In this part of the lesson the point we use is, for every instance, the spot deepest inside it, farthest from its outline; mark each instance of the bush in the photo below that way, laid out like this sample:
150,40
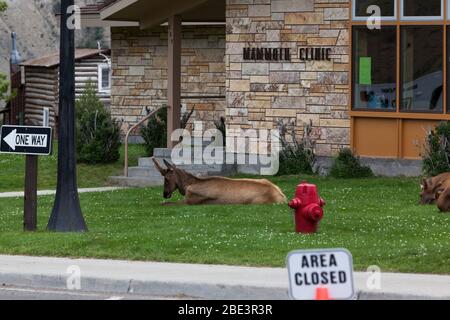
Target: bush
296,155
98,134
155,132
436,156
221,126
347,166
4,85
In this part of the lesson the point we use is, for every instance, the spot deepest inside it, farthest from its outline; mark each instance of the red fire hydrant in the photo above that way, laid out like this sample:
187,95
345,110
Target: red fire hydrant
308,208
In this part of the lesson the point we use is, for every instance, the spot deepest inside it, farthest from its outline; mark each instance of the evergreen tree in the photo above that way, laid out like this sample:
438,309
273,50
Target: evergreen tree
98,134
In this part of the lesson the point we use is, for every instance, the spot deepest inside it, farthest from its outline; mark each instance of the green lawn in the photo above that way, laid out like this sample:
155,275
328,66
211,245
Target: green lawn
12,171
378,220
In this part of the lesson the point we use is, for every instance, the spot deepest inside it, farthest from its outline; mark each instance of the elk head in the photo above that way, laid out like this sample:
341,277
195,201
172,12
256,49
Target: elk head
429,191
170,178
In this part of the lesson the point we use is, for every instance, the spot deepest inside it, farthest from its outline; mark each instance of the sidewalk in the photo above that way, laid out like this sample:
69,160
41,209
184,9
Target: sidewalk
52,192
197,281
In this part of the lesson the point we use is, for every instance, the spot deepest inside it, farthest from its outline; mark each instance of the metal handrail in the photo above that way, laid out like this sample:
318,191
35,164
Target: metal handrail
125,170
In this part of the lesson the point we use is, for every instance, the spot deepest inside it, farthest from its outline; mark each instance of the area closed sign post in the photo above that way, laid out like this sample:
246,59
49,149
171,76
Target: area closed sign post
312,272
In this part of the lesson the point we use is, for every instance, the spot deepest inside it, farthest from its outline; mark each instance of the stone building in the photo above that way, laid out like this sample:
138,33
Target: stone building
365,77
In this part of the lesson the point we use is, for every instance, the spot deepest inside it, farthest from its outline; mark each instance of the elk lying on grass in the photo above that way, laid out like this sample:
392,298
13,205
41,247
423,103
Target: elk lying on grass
217,190
443,202
432,187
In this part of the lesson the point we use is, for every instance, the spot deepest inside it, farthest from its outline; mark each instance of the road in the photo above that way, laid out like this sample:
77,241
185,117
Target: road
14,293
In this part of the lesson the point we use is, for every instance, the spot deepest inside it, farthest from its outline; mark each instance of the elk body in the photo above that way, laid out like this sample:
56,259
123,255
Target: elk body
443,202
217,190
433,187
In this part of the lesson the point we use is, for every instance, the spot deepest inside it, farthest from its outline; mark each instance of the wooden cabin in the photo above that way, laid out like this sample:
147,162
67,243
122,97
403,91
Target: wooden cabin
41,82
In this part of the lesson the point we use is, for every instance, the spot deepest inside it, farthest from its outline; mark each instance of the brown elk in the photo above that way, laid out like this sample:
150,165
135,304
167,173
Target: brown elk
443,202
432,187
217,190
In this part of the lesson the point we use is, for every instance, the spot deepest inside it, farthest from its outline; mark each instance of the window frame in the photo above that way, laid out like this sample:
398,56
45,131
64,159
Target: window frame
398,113
383,18
100,69
353,80
421,18
401,69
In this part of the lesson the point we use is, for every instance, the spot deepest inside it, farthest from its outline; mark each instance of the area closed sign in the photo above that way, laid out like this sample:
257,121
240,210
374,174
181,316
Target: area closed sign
313,270
28,140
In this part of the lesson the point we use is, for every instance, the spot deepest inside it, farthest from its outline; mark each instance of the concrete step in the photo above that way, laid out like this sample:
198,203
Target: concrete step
136,181
163,153
143,172
148,164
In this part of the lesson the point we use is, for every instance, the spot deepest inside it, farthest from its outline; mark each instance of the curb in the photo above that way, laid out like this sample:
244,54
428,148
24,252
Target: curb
151,288
179,289
210,282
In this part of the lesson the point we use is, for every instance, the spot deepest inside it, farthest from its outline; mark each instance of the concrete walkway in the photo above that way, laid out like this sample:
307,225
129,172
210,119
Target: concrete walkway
52,192
198,281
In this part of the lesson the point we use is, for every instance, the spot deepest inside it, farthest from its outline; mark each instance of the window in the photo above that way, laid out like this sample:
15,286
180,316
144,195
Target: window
401,67
422,68
422,10
374,68
104,78
388,9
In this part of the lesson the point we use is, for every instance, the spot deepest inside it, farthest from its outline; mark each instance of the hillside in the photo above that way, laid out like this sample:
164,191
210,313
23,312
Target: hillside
37,29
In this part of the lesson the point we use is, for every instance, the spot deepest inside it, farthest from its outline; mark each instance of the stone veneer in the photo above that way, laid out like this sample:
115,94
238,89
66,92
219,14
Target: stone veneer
260,94
139,60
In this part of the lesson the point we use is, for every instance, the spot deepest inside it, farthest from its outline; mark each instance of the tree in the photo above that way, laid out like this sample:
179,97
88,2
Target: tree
98,134
3,6
4,84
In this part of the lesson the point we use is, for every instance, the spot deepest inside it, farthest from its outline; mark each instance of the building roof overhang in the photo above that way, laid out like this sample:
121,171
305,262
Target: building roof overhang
90,16
52,60
150,13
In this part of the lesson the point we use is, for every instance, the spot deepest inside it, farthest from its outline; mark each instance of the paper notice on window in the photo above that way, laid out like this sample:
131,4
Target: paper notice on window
365,70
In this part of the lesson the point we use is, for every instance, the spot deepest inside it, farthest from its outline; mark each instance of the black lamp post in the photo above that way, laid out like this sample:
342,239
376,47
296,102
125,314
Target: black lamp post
66,215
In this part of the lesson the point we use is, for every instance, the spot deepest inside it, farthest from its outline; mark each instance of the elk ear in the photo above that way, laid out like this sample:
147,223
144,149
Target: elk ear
158,166
169,165
424,184
438,193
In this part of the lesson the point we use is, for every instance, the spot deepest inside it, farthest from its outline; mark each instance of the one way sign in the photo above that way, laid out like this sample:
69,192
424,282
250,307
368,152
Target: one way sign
26,140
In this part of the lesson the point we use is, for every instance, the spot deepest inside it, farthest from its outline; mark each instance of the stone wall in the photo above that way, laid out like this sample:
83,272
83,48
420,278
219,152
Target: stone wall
139,80
261,94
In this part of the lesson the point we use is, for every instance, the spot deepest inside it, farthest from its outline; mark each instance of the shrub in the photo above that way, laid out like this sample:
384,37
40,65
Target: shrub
4,85
222,127
296,155
155,132
436,155
347,165
98,134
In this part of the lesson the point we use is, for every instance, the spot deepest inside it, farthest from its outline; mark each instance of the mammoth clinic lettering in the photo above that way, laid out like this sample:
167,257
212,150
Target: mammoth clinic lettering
315,54
284,54
267,54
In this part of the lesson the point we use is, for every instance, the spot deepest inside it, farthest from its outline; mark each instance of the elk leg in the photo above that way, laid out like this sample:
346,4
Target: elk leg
193,198
177,203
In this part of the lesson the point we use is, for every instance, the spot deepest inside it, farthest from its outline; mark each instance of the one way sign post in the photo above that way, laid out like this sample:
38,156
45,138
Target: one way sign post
30,141
26,140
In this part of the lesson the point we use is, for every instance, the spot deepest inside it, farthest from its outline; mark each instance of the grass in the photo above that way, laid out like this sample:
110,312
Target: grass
378,220
12,170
